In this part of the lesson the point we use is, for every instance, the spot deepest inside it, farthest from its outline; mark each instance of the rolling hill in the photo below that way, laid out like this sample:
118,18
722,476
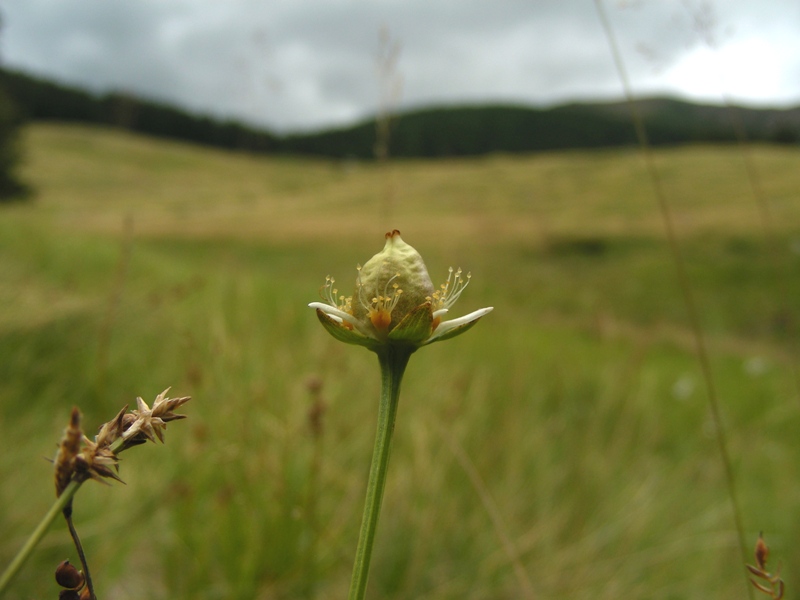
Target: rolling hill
440,131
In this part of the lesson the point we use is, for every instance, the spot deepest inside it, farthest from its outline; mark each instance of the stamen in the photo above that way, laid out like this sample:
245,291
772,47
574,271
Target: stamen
381,307
450,290
329,294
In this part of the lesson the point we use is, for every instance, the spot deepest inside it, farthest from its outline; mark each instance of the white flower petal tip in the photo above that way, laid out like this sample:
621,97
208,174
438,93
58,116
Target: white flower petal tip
455,327
332,311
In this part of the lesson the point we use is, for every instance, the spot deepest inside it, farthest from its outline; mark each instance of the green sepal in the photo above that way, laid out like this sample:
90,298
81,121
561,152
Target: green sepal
415,327
342,333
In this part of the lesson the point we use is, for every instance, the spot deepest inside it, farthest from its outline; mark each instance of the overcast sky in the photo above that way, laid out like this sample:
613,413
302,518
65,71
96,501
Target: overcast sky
300,64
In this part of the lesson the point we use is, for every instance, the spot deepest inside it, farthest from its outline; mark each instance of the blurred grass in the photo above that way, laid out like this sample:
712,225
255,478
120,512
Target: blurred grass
578,401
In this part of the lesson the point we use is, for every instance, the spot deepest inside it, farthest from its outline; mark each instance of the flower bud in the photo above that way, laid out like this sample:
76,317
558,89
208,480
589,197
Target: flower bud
391,284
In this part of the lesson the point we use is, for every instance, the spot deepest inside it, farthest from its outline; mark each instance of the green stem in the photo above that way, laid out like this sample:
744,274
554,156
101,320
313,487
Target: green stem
37,535
393,361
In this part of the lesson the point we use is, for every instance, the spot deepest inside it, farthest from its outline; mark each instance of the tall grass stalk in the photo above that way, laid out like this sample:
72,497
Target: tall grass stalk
390,89
703,20
112,308
489,504
683,281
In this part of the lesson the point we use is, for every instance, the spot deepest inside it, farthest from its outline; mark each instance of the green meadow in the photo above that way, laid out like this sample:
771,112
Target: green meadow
563,448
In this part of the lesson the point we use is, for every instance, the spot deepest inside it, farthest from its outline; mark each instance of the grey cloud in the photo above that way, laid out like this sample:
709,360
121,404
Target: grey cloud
307,63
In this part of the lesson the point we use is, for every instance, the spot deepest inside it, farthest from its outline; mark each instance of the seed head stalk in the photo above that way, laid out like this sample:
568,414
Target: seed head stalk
38,533
393,361
61,504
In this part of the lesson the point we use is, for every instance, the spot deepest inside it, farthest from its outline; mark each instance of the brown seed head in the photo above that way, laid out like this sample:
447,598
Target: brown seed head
762,553
150,423
96,462
68,450
112,430
67,576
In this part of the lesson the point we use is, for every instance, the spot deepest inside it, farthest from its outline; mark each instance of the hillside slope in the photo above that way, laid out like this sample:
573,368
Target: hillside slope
440,131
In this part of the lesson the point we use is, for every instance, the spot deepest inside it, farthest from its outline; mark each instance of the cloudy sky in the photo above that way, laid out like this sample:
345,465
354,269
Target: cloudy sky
301,64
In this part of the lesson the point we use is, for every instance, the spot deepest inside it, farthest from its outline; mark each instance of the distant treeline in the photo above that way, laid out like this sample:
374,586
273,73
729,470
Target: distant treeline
40,100
435,132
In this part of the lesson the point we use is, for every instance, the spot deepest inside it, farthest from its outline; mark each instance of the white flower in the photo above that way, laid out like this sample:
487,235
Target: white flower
394,302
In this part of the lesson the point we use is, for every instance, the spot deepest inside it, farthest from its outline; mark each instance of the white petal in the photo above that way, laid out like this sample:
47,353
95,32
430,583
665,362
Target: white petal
339,316
443,328
439,313
332,311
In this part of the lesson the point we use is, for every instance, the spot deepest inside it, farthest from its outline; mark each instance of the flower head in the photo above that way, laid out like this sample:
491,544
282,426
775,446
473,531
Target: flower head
394,302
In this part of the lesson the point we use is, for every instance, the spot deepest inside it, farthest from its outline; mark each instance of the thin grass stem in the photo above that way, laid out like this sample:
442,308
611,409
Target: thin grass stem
683,282
703,17
114,299
491,508
768,228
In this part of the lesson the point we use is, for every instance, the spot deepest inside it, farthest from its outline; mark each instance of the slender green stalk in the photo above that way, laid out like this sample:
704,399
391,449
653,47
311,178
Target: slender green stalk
393,361
58,506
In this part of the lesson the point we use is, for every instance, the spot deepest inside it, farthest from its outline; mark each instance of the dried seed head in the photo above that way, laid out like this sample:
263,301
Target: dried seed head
69,595
67,576
149,424
775,588
96,462
315,414
68,450
111,431
761,552
314,385
163,407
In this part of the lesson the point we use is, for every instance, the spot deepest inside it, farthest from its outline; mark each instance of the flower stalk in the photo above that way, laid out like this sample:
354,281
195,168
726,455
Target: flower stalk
393,363
394,311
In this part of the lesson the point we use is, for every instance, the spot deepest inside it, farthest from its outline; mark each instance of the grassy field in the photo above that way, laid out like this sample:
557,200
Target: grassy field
565,440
